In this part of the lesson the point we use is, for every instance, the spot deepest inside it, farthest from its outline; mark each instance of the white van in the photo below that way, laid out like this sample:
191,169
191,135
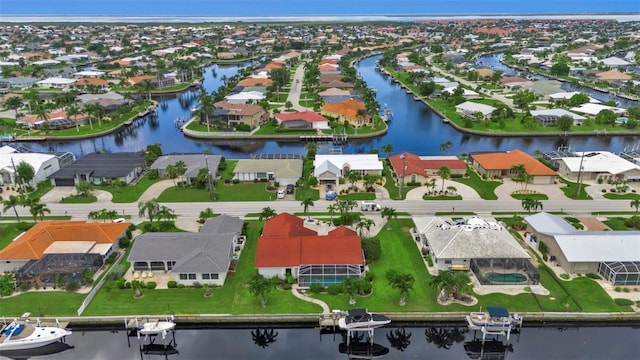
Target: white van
370,206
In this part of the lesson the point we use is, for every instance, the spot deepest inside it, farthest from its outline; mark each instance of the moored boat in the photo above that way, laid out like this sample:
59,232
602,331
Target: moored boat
20,335
156,327
494,319
362,320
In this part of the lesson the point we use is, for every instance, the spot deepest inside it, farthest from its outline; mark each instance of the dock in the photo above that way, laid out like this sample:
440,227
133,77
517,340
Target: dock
338,139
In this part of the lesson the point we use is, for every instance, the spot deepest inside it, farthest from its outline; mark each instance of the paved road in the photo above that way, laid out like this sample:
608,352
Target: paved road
296,89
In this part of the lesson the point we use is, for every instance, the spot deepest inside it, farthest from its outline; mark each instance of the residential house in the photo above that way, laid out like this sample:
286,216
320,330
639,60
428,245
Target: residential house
287,247
193,163
55,119
615,255
99,84
56,82
499,164
305,119
548,117
352,111
483,246
100,167
328,169
595,109
596,165
43,164
472,109
613,75
61,248
203,257
284,171
231,114
417,168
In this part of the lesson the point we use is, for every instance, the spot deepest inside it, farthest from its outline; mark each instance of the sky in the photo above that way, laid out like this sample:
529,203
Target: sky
265,8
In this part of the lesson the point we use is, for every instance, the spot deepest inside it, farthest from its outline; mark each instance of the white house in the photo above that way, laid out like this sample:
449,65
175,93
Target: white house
284,171
330,168
595,109
43,164
596,165
470,108
56,82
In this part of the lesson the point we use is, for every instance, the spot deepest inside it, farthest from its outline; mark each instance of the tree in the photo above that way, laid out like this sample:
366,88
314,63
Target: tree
42,113
267,213
403,282
25,173
560,68
353,177
445,173
154,151
352,286
606,117
564,122
519,175
399,338
305,204
578,99
147,87
172,173
522,99
165,213
530,204
389,213
37,208
364,224
427,88
14,103
148,208
206,106
260,287
12,202
451,283
635,203
84,188
7,284
387,149
73,111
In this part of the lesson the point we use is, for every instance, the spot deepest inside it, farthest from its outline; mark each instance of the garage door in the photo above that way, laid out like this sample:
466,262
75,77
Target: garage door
65,182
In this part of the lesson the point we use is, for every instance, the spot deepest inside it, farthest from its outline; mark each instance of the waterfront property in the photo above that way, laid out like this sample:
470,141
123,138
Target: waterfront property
64,249
305,119
229,115
500,164
43,165
420,168
192,162
288,248
597,166
100,167
548,117
472,109
349,111
328,169
204,257
613,254
485,247
284,171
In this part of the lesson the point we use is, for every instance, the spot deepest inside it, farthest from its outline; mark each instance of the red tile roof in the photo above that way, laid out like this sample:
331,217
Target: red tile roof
285,242
308,116
32,244
505,160
415,165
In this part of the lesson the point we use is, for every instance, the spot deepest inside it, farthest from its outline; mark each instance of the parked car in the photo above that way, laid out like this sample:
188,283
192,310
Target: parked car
290,189
280,194
119,220
331,195
370,206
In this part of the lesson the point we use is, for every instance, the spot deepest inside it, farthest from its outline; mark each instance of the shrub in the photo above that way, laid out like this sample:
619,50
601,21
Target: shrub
413,183
593,276
290,279
623,302
121,284
127,285
197,285
125,242
543,248
180,286
565,276
429,261
313,181
369,276
24,226
617,289
604,190
276,184
172,284
316,288
632,222
456,176
25,286
88,277
626,289
151,285
111,259
131,227
153,174
129,234
334,289
286,286
372,249
235,181
545,257
366,288
72,286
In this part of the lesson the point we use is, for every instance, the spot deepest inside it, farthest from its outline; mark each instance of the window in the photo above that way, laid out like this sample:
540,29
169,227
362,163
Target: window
214,276
209,276
183,276
192,276
205,276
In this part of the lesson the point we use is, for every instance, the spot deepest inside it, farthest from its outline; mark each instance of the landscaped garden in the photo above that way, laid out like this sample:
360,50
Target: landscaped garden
485,188
129,193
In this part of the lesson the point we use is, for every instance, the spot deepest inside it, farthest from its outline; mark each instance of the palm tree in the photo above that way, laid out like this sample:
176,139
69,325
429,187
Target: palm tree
149,207
267,213
364,224
353,177
332,210
36,208
389,213
181,168
12,202
352,286
172,172
305,204
444,283
87,109
165,213
530,204
443,337
42,113
206,106
432,184
635,203
14,103
444,172
452,189
146,87
73,111
403,282
260,287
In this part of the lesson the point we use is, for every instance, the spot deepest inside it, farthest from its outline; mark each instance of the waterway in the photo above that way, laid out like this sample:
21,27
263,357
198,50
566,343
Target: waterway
306,343
414,128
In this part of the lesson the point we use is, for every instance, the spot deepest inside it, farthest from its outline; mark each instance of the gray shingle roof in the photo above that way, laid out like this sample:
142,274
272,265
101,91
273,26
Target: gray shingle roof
102,165
194,162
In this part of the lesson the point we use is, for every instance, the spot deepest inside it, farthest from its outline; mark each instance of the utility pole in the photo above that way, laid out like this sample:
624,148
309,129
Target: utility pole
404,167
577,194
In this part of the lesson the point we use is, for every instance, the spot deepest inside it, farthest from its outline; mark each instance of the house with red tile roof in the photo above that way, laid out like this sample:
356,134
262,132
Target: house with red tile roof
420,168
66,248
138,79
305,119
353,111
288,247
97,82
255,82
499,164
55,119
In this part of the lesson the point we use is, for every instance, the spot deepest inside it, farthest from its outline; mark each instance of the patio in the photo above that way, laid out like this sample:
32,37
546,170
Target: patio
161,278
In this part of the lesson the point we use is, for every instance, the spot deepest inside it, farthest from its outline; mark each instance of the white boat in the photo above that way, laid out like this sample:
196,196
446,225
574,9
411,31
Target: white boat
494,319
20,335
156,327
362,320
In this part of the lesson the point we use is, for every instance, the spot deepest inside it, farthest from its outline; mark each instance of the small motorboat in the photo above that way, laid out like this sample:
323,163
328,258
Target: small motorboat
495,318
156,327
362,320
20,335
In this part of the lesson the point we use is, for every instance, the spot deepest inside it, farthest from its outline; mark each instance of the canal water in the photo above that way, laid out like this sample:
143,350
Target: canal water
414,128
611,343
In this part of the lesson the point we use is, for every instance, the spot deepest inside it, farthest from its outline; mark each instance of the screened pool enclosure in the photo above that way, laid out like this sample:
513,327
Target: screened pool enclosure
326,275
620,273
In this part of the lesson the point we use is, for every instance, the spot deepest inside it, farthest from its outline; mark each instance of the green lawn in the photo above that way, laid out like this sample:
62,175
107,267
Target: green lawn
530,196
390,184
616,223
8,233
40,303
223,192
571,188
484,188
442,197
42,188
79,200
307,192
359,196
130,193
627,196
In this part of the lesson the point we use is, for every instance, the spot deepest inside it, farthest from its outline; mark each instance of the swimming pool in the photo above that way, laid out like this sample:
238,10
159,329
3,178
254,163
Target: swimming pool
507,278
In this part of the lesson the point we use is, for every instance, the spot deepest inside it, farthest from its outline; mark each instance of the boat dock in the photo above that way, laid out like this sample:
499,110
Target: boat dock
339,138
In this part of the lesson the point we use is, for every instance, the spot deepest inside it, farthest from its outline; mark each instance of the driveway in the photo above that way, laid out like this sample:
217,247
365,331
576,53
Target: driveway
56,194
552,191
463,190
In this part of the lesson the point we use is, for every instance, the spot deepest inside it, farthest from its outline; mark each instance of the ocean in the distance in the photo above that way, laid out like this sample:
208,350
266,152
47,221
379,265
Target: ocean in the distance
306,8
